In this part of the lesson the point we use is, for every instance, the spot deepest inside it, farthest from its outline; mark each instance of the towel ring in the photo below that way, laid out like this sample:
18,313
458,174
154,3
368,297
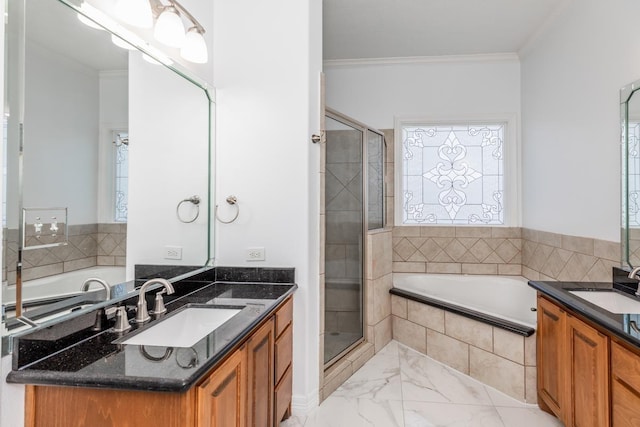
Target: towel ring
196,201
233,201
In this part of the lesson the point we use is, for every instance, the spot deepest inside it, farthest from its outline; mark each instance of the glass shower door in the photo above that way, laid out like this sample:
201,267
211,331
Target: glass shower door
344,277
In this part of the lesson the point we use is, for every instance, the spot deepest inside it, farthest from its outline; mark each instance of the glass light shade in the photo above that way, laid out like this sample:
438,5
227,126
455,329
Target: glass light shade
121,43
135,12
163,60
169,29
194,48
89,10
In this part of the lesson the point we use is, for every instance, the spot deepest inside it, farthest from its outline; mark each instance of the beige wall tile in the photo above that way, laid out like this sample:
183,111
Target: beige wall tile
410,334
437,231
583,245
426,315
529,234
500,373
105,260
343,370
409,267
508,345
483,232
382,333
444,267
45,270
479,269
529,273
506,232
448,350
406,231
468,330
381,250
381,299
530,350
510,269
399,306
550,239
79,264
531,385
404,248
577,267
607,250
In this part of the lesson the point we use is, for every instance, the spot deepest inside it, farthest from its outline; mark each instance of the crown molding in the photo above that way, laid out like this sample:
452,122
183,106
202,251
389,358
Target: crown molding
485,57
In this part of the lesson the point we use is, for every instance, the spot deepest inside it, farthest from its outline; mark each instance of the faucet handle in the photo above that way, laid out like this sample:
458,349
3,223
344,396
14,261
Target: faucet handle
159,307
122,321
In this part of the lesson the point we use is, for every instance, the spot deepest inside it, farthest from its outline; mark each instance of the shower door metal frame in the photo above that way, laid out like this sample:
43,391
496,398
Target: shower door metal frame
365,129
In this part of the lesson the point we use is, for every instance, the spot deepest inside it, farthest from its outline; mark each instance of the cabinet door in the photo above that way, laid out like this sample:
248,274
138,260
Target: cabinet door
588,379
260,377
221,399
625,387
551,361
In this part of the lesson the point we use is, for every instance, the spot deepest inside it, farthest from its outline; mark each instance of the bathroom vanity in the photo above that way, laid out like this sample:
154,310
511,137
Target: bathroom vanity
238,373
588,357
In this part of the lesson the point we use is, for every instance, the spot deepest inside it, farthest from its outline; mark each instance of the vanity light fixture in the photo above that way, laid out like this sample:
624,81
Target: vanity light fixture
135,12
169,28
121,43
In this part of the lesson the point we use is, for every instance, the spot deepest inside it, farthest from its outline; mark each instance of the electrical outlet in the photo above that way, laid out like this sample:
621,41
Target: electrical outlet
255,254
173,252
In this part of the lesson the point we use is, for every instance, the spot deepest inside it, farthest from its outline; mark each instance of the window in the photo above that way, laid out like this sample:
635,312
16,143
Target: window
453,173
121,187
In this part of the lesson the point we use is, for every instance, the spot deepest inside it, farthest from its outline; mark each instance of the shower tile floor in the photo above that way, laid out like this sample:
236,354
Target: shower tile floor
404,388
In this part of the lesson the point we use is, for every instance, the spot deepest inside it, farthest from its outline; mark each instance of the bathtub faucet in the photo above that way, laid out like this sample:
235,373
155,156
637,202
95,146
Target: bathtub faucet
105,285
634,275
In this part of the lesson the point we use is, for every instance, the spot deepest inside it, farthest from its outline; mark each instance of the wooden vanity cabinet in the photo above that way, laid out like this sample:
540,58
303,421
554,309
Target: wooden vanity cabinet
573,368
251,387
625,386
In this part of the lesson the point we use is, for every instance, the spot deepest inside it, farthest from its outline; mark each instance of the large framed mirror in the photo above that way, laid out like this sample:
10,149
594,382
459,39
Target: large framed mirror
630,142
107,168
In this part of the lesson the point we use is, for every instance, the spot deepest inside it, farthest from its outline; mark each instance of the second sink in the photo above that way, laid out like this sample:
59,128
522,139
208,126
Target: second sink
184,328
613,302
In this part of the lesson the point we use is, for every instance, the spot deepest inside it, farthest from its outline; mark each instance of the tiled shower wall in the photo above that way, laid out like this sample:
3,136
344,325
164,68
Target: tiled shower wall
89,245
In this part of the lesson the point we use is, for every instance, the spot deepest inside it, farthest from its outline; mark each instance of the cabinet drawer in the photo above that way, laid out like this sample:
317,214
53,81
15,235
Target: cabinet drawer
284,316
283,395
625,365
284,350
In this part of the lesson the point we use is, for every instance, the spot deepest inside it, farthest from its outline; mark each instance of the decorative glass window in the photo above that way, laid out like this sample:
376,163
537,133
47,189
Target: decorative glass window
121,142
453,174
634,173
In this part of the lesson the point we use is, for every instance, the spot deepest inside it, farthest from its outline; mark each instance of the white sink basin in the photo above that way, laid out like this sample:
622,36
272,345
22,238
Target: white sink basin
185,328
610,301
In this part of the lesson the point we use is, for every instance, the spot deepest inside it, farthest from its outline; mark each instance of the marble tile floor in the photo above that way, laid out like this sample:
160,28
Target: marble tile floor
401,387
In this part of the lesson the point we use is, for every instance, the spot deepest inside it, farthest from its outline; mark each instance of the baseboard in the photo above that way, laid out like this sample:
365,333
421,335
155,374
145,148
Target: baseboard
302,405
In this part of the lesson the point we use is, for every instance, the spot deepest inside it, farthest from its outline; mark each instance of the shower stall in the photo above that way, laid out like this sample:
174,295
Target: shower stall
354,204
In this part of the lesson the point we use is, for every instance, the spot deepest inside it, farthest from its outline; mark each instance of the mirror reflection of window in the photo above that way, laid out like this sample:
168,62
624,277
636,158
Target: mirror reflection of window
121,149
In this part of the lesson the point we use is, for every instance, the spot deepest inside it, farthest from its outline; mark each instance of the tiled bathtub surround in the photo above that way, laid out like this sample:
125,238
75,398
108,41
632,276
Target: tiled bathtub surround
499,358
89,245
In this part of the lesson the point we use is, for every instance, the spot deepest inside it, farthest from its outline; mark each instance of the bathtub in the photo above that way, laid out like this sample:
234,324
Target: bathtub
482,326
502,301
62,284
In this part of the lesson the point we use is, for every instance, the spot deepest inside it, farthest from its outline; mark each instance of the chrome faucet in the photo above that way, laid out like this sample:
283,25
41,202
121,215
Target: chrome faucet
85,286
142,315
634,275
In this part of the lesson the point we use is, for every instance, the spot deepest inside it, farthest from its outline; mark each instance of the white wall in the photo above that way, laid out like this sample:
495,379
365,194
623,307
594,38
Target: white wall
267,64
60,134
571,78
168,162
375,93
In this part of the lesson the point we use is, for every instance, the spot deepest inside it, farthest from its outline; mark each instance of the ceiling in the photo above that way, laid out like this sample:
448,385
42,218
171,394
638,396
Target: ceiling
361,29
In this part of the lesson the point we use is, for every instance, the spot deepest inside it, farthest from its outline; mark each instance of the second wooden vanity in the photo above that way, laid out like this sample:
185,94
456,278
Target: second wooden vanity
588,361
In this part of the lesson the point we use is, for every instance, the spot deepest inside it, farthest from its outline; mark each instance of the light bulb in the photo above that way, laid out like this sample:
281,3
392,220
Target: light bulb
88,10
135,12
169,29
194,48
121,43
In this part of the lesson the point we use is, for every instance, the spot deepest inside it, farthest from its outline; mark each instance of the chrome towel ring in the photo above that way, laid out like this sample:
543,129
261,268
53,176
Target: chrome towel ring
233,201
194,200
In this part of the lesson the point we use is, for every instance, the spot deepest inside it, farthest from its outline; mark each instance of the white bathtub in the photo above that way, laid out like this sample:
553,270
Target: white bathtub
63,284
504,297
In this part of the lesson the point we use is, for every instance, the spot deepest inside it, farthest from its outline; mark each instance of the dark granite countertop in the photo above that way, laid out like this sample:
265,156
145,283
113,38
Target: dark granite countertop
619,325
70,353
